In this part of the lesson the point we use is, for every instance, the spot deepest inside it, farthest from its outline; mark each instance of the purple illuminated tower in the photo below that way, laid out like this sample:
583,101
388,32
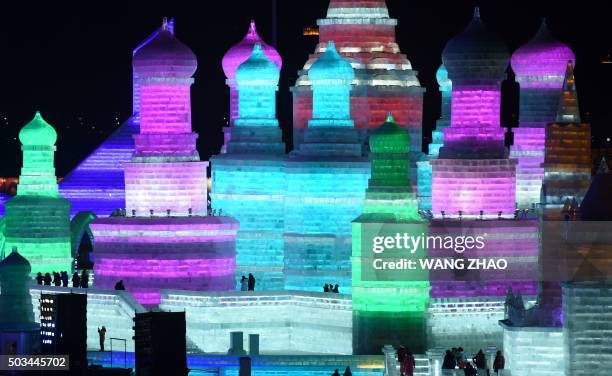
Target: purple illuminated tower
165,241
539,66
473,172
232,59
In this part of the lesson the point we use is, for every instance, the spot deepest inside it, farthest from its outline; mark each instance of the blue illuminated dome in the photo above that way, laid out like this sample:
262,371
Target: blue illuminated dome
165,56
257,68
331,66
38,132
476,55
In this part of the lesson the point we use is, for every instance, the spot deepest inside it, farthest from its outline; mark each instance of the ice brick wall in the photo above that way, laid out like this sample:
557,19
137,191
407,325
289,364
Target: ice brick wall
534,351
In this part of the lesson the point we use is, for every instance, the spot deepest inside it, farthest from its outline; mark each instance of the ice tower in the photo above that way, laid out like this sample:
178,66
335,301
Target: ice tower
232,59
248,181
567,161
326,181
388,311
166,240
437,136
473,172
38,219
539,66
17,326
384,79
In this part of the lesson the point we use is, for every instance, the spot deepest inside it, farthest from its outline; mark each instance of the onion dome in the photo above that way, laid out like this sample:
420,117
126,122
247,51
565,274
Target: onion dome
390,138
543,56
331,66
476,56
238,53
257,69
15,263
442,78
165,56
38,132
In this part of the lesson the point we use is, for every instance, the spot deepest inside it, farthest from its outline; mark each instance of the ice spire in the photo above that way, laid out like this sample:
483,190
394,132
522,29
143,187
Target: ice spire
569,111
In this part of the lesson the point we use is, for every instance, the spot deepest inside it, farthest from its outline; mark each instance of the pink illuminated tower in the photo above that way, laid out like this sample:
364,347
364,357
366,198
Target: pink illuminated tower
232,59
384,80
539,66
165,240
473,172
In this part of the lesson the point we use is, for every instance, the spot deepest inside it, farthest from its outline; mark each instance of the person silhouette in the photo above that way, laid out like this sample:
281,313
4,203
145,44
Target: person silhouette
102,335
347,371
64,278
39,278
251,282
47,279
243,283
336,288
76,280
119,285
56,279
84,279
336,373
326,287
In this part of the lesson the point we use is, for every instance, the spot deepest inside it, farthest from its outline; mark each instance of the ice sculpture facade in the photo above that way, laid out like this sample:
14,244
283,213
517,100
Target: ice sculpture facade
473,172
232,59
437,140
539,66
567,161
384,79
166,240
387,312
248,181
326,181
37,219
16,316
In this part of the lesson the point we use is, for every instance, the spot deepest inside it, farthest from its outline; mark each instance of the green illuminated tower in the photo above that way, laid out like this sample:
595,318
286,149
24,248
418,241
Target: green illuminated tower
38,218
388,308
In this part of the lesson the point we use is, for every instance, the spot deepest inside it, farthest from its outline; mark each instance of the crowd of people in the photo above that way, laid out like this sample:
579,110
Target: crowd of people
247,283
329,287
61,279
456,358
347,372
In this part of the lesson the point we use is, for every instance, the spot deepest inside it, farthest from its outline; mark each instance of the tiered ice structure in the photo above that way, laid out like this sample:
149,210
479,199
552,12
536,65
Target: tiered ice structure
473,173
384,79
539,66
166,240
248,181
473,192
97,184
567,161
17,326
232,59
326,181
388,311
437,140
37,219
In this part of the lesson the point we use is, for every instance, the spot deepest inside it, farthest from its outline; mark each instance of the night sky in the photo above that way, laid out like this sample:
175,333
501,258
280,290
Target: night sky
74,64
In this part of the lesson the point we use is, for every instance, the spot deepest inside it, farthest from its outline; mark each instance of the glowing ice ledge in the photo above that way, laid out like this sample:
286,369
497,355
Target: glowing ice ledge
287,322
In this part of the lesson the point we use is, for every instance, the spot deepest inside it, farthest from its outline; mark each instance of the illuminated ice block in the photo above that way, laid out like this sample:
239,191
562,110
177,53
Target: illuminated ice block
539,66
473,174
384,82
567,161
37,219
165,239
312,322
387,312
232,59
326,181
535,351
248,181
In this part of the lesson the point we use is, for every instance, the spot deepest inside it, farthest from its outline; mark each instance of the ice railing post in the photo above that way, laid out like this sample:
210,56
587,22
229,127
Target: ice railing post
391,364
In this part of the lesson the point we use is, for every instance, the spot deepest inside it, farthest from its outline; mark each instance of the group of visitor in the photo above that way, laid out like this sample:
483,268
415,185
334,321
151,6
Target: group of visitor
347,372
328,287
61,279
456,358
247,283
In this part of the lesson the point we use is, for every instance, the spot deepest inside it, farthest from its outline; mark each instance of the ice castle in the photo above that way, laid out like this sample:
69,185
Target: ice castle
298,220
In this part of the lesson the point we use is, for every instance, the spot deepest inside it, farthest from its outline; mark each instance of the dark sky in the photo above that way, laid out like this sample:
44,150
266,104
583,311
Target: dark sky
74,63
